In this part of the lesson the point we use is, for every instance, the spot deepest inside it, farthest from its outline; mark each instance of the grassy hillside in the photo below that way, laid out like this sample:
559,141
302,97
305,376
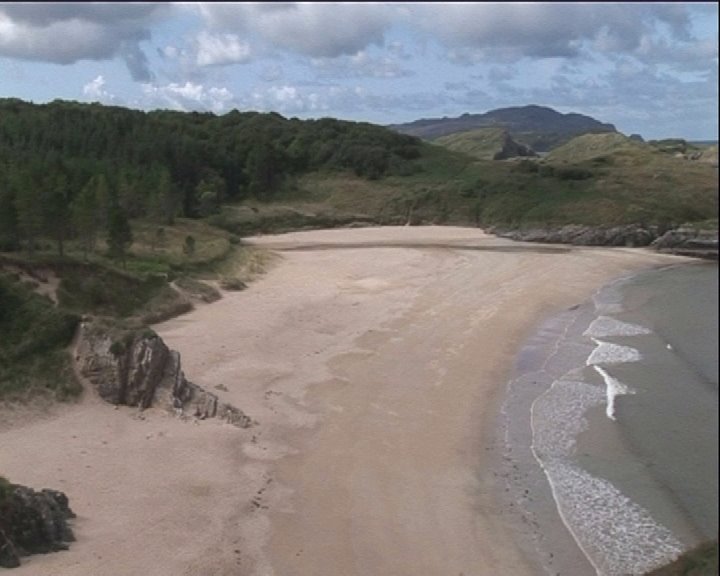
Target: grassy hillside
484,144
444,187
33,348
592,146
43,296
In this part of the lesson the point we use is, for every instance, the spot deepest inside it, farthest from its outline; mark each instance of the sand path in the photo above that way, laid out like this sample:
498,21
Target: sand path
374,361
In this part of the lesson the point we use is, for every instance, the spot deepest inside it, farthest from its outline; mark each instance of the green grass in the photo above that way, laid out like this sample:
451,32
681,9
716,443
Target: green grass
482,143
36,334
603,179
590,146
33,349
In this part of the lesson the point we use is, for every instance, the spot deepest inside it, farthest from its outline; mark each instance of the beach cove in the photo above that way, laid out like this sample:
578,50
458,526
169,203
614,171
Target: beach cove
374,362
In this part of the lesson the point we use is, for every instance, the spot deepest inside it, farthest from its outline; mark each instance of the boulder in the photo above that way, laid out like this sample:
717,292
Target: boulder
32,522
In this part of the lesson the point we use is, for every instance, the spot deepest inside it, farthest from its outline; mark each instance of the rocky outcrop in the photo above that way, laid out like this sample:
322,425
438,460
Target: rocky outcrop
136,368
513,149
688,241
684,241
578,235
32,523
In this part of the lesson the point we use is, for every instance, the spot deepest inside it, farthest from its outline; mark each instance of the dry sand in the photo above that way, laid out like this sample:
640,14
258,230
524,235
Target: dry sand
374,361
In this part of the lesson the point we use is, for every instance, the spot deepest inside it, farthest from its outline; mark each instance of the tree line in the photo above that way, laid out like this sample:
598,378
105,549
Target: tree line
74,170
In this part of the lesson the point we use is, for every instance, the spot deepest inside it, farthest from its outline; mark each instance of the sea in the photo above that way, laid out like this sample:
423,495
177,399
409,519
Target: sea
610,426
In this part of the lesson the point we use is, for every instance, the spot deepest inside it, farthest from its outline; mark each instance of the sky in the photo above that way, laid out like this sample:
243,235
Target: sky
647,68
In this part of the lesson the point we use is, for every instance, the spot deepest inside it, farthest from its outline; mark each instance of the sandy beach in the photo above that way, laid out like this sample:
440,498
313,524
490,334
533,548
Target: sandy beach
374,362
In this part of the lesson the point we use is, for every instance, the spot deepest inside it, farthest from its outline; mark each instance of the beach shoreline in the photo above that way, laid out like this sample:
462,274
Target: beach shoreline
375,362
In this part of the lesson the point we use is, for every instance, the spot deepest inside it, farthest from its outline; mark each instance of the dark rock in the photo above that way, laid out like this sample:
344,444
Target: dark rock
578,235
683,241
33,523
513,149
136,368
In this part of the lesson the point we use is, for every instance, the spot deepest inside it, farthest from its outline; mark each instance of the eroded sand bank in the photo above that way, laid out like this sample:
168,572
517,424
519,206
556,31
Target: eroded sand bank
374,361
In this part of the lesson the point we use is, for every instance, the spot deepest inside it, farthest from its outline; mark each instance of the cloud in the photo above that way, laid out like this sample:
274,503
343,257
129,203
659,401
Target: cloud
317,30
95,90
66,33
188,96
219,49
361,65
476,32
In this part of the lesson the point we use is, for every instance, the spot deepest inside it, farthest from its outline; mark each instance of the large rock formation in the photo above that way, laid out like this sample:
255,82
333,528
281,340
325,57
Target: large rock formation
32,523
136,368
512,149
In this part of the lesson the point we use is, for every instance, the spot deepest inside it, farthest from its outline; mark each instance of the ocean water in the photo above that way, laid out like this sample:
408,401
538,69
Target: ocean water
613,411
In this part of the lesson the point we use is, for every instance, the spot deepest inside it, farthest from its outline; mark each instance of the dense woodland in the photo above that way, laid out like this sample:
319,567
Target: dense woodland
72,170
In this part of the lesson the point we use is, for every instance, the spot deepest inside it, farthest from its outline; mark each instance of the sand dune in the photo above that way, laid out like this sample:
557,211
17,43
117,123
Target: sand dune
374,361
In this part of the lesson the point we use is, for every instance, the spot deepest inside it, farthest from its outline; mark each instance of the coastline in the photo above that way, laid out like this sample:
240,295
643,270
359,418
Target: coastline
584,450
375,450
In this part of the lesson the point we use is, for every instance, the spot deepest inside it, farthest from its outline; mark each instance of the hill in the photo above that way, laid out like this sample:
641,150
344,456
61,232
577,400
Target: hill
538,127
485,144
590,146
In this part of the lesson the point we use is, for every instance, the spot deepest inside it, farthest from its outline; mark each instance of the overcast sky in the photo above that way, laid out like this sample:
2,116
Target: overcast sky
648,68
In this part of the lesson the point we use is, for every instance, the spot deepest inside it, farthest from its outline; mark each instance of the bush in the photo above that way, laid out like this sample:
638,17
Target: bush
573,174
527,166
189,245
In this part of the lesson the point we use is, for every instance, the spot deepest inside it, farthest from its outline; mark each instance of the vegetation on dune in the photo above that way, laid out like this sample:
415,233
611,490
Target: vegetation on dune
482,143
33,348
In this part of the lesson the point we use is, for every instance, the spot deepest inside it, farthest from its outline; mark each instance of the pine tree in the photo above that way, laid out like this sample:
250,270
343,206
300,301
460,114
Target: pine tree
85,212
119,234
9,230
29,209
57,218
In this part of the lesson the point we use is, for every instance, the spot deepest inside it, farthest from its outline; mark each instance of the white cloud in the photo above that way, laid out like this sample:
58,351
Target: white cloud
318,30
221,49
188,96
95,89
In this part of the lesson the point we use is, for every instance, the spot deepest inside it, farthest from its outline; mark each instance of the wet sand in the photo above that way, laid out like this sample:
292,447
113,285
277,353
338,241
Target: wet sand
375,362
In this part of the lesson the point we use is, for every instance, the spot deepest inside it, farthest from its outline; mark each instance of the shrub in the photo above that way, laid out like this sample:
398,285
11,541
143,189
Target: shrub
573,174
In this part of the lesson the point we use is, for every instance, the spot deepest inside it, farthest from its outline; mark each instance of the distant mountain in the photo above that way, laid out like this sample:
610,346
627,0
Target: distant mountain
538,127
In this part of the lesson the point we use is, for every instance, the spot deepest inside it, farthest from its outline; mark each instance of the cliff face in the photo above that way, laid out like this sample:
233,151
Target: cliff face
32,523
136,368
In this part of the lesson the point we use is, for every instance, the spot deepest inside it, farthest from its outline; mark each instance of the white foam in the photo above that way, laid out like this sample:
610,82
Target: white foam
618,536
613,388
608,326
609,353
558,417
